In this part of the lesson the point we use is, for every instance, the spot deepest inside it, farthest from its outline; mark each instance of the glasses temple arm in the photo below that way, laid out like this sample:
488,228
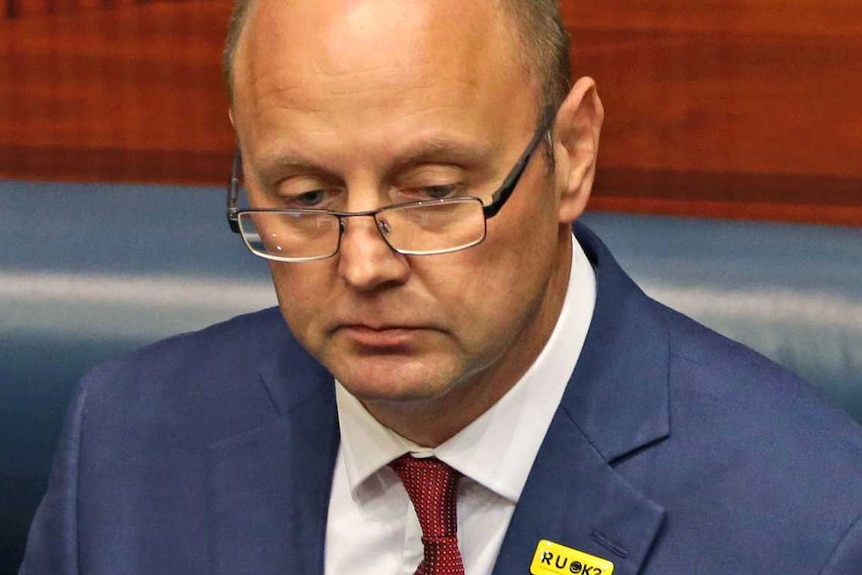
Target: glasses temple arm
233,192
511,182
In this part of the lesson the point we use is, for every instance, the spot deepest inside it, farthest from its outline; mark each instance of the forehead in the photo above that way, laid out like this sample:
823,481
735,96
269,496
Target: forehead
343,34
344,59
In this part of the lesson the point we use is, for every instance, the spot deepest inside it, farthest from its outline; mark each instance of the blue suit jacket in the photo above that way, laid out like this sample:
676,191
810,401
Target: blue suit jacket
674,451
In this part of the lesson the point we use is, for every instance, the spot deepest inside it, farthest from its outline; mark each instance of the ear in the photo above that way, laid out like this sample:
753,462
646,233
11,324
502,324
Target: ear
576,147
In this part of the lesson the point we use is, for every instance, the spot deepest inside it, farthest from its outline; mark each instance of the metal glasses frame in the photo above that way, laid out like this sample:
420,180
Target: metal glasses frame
498,198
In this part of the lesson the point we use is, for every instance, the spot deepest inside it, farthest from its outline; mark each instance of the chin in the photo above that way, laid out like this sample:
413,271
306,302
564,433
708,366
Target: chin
394,380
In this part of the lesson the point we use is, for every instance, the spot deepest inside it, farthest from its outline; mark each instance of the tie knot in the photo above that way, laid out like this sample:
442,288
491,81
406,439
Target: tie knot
432,487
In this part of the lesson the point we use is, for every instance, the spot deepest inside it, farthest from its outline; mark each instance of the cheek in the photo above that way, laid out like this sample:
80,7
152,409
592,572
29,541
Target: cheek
301,295
506,276
521,246
489,291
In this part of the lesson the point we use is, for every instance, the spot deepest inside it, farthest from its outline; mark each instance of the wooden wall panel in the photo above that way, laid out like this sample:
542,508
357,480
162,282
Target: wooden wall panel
732,108
132,93
28,8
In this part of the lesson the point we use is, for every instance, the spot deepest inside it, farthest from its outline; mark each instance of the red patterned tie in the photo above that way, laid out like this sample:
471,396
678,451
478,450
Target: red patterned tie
433,487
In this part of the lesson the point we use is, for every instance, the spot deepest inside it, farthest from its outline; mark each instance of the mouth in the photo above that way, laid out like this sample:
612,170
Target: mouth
380,337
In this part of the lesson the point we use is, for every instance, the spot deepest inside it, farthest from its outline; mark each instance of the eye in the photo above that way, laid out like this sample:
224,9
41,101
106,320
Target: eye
309,199
422,193
439,192
320,198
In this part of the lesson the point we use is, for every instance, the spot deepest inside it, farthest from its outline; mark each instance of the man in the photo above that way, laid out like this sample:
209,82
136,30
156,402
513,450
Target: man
462,346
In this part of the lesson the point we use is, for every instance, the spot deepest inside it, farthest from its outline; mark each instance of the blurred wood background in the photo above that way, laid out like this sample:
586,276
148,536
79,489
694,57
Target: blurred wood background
726,108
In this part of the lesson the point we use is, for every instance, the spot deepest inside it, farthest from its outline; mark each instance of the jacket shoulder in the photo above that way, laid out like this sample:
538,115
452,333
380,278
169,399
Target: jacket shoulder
753,450
207,380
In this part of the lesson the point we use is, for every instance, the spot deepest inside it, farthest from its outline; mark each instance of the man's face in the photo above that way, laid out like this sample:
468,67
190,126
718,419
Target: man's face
353,105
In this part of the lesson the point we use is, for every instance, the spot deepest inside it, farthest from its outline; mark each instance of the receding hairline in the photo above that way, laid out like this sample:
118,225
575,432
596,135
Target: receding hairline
537,24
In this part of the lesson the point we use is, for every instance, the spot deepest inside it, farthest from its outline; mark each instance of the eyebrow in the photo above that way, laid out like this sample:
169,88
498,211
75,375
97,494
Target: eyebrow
442,150
271,163
432,150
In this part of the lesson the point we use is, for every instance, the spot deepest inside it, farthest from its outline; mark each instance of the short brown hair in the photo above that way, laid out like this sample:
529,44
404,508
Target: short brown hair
545,40
539,27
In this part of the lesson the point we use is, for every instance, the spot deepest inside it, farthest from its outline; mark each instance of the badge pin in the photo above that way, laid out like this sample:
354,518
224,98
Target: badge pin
555,559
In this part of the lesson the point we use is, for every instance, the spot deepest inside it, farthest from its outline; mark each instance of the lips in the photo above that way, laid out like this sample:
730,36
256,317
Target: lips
388,336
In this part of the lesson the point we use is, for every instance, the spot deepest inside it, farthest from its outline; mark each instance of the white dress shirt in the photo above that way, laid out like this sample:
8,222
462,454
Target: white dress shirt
372,528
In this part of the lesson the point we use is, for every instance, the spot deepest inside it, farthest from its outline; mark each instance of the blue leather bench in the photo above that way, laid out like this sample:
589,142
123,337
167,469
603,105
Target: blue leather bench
89,271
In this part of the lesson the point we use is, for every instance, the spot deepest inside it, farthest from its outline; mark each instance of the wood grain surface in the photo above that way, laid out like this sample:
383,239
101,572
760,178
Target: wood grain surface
727,108
14,9
730,108
130,93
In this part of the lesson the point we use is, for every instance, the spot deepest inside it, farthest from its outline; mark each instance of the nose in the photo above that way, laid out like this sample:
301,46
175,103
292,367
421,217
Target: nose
366,262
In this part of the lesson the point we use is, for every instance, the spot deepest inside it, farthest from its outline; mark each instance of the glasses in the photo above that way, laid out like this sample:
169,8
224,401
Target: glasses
426,227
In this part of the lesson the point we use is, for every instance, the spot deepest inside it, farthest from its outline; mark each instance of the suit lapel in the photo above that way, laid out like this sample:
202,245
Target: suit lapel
575,499
270,487
615,407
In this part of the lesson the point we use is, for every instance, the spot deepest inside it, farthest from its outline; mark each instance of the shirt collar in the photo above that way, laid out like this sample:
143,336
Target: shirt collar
498,448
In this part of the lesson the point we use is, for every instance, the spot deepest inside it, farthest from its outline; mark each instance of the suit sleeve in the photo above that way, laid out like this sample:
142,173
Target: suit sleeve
847,557
52,545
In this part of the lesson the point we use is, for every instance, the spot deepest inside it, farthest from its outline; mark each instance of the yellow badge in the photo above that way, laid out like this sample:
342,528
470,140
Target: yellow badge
554,559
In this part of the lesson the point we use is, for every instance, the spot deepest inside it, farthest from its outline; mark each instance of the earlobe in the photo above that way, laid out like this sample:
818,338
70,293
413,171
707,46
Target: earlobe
576,146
